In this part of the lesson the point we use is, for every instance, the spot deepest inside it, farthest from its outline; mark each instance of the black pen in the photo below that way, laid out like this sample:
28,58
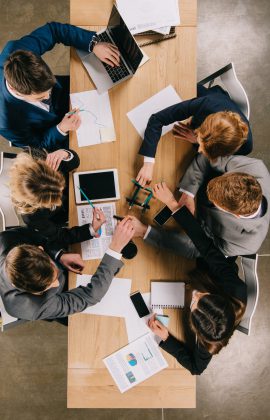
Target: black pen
118,217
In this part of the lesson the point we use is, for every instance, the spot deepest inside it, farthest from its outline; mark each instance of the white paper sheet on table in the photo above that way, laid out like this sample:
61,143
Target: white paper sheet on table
140,115
144,15
96,117
113,303
96,247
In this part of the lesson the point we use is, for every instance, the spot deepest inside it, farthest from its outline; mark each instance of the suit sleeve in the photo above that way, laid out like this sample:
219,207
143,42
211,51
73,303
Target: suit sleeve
78,299
195,174
196,361
43,39
178,112
223,272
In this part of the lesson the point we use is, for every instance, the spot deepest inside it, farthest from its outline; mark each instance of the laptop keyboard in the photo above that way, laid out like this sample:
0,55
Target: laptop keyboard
115,73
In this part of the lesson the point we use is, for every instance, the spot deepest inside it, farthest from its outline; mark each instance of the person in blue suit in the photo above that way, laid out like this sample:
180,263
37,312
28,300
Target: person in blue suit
34,102
216,126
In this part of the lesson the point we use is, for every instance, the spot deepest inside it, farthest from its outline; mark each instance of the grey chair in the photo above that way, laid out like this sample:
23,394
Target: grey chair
233,86
7,213
249,267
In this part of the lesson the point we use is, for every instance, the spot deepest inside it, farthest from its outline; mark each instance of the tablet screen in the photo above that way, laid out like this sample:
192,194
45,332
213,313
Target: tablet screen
98,185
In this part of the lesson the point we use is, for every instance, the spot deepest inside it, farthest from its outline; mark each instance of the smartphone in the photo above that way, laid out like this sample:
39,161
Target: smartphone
163,216
139,304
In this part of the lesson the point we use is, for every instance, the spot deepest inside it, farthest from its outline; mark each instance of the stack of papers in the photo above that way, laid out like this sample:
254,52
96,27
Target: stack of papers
146,15
96,117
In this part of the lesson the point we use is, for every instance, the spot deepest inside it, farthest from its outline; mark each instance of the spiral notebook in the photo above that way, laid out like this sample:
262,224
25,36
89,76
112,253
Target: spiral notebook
167,294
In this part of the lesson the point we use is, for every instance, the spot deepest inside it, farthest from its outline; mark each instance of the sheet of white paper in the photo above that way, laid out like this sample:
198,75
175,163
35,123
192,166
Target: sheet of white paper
144,59
96,116
135,362
140,115
96,247
113,303
164,31
144,15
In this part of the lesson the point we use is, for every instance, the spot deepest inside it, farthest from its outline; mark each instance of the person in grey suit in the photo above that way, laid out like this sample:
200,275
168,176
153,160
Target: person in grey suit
233,208
32,277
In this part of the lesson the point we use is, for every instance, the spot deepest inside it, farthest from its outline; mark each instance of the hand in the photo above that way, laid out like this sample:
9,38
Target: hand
73,262
98,219
164,194
54,159
70,122
145,174
158,328
188,201
184,132
122,235
108,53
139,228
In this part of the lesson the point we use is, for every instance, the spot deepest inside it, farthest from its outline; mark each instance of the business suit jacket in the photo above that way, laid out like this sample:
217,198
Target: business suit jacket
232,235
54,303
213,100
23,123
224,275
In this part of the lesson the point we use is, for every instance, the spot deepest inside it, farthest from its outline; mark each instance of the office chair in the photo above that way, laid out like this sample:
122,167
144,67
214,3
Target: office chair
249,267
7,212
233,86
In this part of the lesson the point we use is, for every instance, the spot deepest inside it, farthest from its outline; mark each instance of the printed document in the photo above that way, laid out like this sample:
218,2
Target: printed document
96,117
145,15
95,248
136,362
140,115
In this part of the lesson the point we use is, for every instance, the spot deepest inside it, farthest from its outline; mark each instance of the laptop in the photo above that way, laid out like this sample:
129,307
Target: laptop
103,75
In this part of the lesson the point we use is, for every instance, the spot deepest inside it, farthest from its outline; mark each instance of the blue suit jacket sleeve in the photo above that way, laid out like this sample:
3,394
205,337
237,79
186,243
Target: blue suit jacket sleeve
44,39
167,116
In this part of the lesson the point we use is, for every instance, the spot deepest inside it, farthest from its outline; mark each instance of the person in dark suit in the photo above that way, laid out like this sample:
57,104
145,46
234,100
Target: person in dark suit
39,192
217,304
216,126
33,282
33,102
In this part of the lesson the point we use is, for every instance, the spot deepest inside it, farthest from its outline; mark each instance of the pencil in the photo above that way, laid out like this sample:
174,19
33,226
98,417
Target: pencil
73,112
88,200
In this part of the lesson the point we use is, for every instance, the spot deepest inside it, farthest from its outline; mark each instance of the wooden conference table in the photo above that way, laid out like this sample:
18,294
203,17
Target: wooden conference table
91,338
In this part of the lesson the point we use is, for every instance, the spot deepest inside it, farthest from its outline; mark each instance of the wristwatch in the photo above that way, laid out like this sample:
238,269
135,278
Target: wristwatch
93,42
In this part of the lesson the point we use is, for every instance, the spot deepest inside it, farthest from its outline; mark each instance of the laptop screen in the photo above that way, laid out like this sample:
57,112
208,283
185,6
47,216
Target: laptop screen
124,40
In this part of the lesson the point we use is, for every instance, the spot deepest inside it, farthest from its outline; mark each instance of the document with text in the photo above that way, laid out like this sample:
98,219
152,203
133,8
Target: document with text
96,247
135,362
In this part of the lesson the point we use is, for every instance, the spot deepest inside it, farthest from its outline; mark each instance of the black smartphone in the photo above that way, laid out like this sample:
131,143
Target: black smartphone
139,304
163,216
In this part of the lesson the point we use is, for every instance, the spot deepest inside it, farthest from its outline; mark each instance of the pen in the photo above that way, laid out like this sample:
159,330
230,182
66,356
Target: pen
74,112
91,204
118,217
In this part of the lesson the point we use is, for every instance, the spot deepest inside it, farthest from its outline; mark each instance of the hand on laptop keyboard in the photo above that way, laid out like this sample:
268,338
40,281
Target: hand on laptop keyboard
108,53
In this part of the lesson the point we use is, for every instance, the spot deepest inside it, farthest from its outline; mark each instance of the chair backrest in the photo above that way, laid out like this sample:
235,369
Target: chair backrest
7,212
233,86
249,266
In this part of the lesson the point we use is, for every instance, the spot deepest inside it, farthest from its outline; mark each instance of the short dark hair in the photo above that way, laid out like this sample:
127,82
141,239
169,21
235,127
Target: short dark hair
27,73
29,268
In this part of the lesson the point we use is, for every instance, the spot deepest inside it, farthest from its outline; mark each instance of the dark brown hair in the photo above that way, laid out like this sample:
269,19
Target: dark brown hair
216,316
29,268
222,134
236,192
27,73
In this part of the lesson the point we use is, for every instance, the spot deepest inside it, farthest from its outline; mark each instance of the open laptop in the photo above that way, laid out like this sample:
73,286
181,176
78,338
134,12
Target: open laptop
103,75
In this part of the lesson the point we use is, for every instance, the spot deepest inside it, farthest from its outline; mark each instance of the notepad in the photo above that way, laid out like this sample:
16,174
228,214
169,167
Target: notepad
167,294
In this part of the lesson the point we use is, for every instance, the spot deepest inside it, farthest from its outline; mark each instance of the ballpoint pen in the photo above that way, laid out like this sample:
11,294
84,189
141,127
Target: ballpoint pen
74,112
91,204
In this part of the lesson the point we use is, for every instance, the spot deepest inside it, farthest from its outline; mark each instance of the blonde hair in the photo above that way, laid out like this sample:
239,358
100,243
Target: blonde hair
222,134
34,185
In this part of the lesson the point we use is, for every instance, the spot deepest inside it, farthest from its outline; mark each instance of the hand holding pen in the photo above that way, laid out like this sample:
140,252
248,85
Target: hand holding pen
71,121
98,220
